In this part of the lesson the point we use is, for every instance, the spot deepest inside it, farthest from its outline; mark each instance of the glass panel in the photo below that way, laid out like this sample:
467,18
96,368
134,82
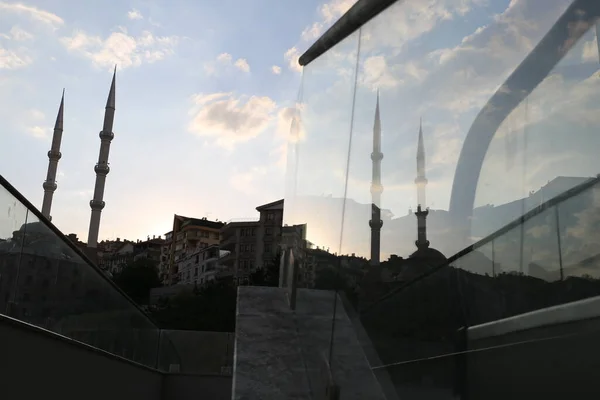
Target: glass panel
316,194
541,255
421,320
13,216
49,285
547,143
580,235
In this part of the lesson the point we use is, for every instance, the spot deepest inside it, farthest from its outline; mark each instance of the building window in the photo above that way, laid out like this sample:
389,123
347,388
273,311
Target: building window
216,235
268,248
253,231
252,248
268,231
270,216
196,271
197,258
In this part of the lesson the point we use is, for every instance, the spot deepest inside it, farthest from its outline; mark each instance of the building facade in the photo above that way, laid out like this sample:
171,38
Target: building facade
252,243
187,237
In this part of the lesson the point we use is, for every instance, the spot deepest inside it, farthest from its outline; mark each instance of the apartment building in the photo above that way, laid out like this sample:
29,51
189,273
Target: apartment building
200,266
188,236
114,255
252,243
150,249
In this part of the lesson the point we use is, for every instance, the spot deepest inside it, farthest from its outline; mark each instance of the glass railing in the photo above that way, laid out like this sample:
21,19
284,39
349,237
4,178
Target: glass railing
454,130
419,329
46,281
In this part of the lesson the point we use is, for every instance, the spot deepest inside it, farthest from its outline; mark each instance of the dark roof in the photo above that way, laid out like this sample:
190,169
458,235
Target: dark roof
35,227
186,221
429,253
269,205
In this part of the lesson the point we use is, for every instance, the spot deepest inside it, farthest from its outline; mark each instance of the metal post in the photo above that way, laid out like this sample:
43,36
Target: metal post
560,261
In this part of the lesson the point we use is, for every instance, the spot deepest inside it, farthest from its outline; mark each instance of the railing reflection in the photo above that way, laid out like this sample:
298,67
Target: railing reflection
418,328
46,281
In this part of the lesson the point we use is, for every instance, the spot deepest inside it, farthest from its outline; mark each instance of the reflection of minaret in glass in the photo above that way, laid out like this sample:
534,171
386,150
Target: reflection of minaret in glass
376,189
420,180
422,243
54,155
102,169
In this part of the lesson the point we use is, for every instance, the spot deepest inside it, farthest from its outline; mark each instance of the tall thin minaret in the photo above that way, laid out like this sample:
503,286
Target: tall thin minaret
422,211
102,169
376,189
422,243
421,180
54,155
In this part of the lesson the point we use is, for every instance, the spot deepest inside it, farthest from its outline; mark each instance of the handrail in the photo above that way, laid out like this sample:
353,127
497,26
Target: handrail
522,82
358,15
31,208
553,202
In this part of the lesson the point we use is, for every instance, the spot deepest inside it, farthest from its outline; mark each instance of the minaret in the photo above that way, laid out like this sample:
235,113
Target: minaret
376,189
420,180
422,243
53,156
102,169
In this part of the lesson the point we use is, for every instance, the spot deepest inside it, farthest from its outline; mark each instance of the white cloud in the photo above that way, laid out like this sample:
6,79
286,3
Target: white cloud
18,34
312,32
13,59
377,74
35,13
335,9
36,118
224,58
276,69
405,21
121,48
242,64
134,14
38,132
292,55
224,61
230,119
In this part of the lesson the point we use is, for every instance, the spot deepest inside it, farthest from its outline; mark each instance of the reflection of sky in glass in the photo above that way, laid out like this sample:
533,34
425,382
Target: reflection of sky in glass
441,61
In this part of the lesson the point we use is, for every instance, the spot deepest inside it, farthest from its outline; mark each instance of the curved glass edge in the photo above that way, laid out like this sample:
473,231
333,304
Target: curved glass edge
45,282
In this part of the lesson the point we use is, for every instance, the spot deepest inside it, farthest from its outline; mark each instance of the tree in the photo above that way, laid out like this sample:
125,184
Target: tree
267,275
210,308
137,278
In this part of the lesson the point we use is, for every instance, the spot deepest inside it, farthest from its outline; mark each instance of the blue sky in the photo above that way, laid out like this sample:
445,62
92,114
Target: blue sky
204,97
202,87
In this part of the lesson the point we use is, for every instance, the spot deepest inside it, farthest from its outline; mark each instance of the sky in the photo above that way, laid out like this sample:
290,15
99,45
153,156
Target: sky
440,61
201,97
206,92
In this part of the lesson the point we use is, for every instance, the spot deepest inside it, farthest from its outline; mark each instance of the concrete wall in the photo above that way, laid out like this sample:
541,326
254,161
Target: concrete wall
195,387
280,353
207,353
550,354
39,365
